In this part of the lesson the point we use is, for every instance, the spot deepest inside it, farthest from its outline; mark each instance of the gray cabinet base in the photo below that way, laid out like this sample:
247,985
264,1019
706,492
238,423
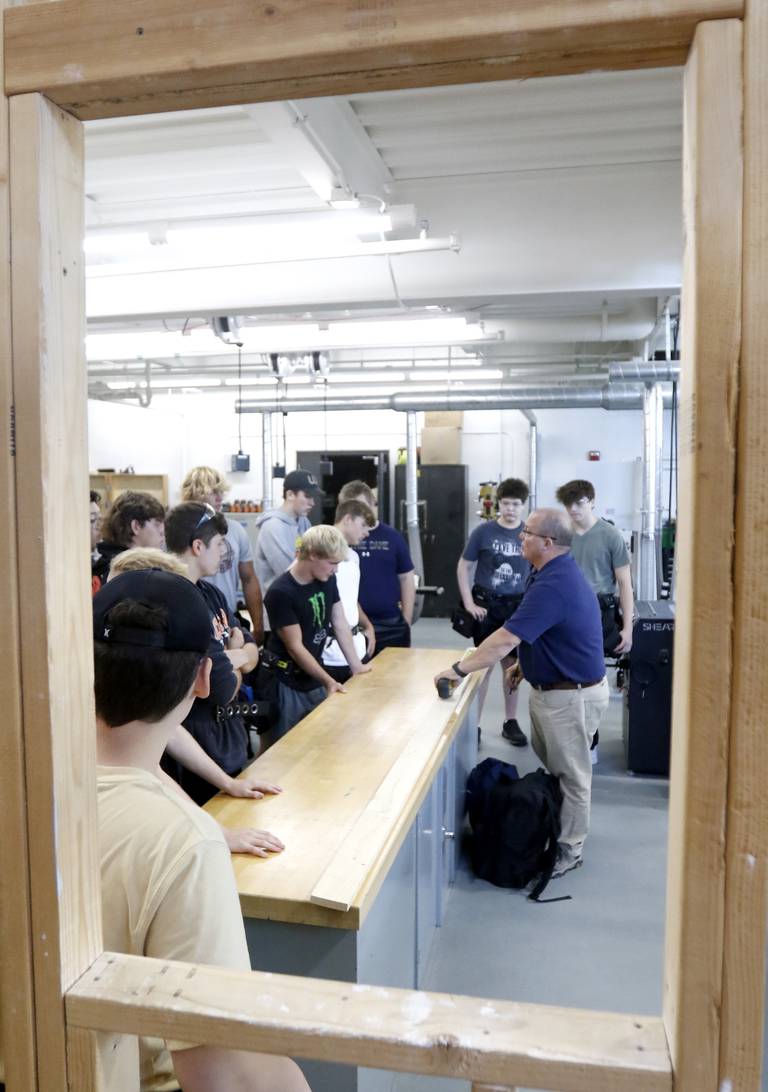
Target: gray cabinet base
392,946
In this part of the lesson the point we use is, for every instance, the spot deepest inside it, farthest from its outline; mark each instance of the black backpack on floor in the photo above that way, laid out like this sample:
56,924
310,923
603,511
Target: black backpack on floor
515,825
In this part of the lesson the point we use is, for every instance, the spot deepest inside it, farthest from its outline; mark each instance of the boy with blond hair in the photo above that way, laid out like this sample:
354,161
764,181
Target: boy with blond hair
304,611
207,486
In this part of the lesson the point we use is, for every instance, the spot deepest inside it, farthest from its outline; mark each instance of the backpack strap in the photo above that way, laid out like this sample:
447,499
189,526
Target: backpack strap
550,859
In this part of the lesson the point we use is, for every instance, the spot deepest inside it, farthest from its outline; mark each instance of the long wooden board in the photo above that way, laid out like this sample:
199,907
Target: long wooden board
52,504
710,339
746,908
101,58
354,773
487,1042
17,1016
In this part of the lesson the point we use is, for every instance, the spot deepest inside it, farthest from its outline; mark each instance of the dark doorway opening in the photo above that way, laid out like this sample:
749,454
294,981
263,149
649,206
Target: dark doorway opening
333,469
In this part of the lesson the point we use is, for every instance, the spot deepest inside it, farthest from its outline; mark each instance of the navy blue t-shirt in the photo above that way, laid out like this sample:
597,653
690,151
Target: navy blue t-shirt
501,567
558,623
384,556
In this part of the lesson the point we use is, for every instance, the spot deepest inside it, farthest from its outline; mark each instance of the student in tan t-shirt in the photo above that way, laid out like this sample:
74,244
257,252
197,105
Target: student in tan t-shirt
168,889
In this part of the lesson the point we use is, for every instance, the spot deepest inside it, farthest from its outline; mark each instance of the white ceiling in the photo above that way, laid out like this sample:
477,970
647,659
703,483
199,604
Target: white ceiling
564,196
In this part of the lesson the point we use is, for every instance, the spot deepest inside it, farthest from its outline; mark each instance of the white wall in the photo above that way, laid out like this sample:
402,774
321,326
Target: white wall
179,431
151,441
184,430
565,437
495,445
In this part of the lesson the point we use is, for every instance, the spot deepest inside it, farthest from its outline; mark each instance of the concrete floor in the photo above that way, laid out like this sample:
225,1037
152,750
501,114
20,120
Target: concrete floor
601,950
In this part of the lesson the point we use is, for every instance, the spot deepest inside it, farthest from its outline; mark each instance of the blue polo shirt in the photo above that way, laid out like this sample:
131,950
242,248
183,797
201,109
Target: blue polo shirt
558,623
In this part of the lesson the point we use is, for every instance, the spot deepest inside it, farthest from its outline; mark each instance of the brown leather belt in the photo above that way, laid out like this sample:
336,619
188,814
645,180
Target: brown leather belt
565,684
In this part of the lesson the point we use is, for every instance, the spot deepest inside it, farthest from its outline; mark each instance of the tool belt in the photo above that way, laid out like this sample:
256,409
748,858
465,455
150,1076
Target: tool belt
272,662
610,619
500,607
243,709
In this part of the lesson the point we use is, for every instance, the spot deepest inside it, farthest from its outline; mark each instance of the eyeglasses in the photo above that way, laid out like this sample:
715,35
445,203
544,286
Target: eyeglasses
524,531
209,513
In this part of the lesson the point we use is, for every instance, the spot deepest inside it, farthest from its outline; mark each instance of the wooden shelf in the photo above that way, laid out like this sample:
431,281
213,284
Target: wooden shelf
112,485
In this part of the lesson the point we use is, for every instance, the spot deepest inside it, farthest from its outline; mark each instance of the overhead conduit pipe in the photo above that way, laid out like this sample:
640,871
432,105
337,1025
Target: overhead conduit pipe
613,397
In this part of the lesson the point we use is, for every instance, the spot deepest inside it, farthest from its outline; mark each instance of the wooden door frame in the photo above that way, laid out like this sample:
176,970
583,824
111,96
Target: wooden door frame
65,1000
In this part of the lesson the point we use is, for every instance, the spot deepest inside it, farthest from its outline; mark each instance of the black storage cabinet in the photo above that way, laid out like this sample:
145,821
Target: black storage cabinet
648,693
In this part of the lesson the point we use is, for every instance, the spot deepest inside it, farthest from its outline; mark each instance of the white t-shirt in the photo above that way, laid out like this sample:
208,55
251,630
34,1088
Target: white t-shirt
348,580
167,887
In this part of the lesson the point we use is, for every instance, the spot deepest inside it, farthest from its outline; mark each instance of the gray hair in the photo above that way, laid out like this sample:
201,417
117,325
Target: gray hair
555,524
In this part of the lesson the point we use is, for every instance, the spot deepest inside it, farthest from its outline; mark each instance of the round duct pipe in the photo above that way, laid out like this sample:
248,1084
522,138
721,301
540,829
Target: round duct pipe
621,397
644,371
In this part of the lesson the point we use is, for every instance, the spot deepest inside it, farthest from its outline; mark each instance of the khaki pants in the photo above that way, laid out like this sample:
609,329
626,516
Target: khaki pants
563,723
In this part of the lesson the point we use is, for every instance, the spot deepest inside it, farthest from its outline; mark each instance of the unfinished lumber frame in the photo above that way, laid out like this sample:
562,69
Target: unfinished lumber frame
98,58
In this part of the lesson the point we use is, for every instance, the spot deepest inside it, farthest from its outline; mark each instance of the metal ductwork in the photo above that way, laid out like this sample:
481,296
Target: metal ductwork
412,504
644,371
533,458
650,527
266,462
632,322
615,397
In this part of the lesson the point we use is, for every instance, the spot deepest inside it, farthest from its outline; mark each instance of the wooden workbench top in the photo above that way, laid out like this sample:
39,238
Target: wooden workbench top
354,773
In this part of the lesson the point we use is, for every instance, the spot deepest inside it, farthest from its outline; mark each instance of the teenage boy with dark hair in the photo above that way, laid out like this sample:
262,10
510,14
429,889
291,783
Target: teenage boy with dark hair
387,584
354,519
135,519
491,575
304,609
195,534
602,555
168,891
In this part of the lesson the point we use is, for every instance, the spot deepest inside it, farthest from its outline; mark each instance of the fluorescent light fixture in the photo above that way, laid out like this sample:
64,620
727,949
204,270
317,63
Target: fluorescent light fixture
198,258
450,375
284,339
105,243
151,344
369,377
405,332
159,381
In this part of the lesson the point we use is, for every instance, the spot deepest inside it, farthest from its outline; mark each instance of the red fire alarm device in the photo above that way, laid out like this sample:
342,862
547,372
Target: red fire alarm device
593,456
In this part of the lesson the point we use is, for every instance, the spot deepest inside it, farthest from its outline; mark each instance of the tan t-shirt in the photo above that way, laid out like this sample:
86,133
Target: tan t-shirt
167,885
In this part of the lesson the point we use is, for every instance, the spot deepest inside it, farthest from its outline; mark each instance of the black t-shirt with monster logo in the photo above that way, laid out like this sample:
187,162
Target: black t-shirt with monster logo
289,603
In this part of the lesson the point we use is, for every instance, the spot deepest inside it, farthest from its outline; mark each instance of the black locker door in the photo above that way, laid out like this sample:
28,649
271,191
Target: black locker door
442,495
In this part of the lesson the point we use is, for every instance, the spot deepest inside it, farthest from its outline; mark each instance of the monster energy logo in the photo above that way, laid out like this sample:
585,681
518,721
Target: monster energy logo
317,602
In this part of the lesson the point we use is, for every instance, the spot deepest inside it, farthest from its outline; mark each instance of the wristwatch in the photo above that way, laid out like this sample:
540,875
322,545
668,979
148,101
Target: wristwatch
456,668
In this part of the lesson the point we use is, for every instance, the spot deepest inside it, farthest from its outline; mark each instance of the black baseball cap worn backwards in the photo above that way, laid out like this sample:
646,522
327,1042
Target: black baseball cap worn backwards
302,481
189,629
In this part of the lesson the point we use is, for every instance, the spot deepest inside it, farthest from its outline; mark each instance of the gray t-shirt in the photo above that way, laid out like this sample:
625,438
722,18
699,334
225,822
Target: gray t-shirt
599,552
501,567
239,550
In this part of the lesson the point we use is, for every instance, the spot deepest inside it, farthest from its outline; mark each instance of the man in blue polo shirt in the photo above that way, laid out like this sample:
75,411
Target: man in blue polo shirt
559,631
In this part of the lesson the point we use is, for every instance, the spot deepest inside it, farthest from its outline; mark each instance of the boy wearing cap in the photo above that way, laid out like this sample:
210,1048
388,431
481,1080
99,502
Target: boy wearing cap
279,528
195,534
168,890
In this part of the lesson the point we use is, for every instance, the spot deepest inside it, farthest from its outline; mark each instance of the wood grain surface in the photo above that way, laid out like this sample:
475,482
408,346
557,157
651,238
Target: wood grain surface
354,774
